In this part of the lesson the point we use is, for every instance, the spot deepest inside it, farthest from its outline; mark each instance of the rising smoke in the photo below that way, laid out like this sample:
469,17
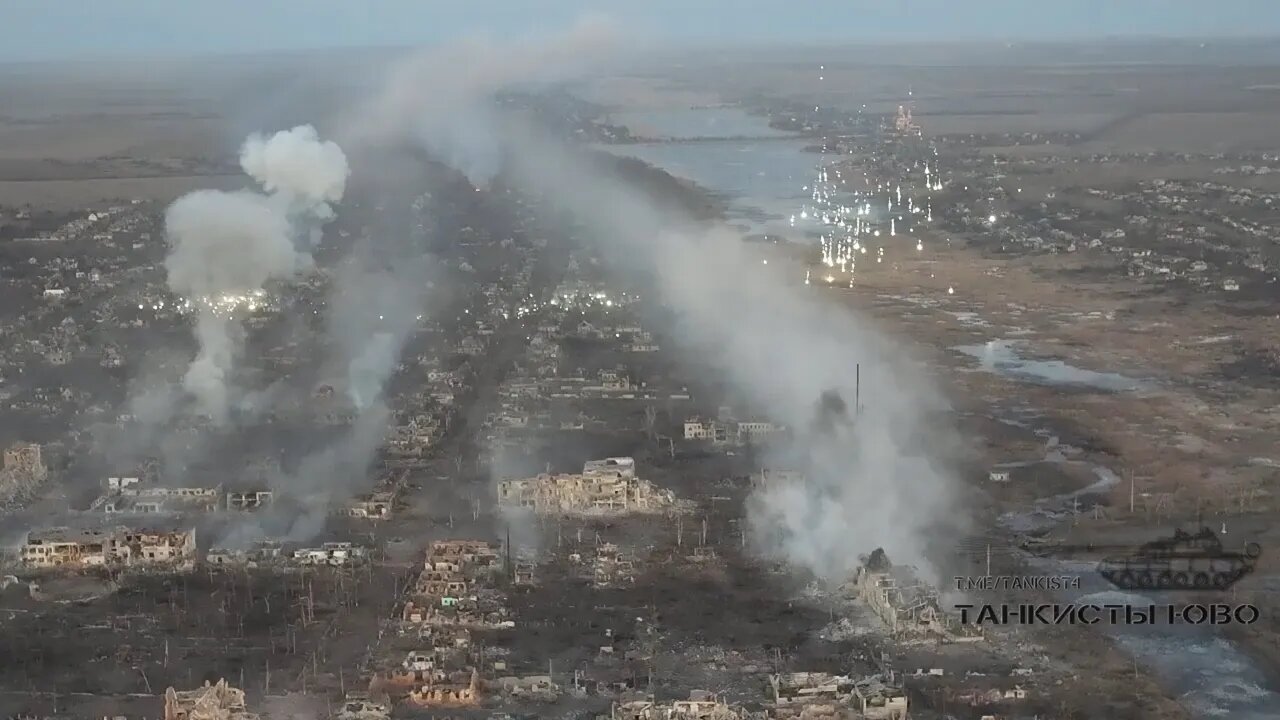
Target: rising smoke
872,482
225,246
442,100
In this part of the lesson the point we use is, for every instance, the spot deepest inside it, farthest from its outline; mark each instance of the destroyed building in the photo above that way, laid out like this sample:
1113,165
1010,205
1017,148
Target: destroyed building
372,506
134,547
211,702
23,473
451,690
815,694
138,498
156,546
701,705
604,486
260,554
245,500
905,603
332,554
455,587
57,547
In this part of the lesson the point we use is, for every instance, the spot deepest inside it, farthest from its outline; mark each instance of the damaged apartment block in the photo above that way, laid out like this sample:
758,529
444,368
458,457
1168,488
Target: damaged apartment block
604,487
119,546
905,603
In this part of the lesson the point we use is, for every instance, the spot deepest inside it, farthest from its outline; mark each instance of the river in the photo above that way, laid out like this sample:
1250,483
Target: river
763,174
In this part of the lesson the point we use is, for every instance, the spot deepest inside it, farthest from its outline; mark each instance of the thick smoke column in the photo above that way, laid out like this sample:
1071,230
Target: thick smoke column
226,246
442,99
299,168
788,350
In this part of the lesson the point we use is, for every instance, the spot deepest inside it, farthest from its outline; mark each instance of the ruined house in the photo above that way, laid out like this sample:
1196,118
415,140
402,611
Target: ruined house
244,500
461,555
333,554
823,695
611,568
358,706
455,690
531,687
878,697
373,506
525,573
808,687
211,702
701,705
156,546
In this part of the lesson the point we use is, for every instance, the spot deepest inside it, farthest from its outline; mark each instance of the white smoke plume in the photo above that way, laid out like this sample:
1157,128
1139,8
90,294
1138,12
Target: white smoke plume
298,166
441,99
226,245
784,347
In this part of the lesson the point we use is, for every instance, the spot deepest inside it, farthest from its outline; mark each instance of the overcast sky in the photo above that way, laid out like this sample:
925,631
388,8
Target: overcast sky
69,29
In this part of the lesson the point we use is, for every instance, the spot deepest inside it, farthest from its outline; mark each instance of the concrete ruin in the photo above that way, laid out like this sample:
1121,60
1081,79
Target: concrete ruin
905,603
211,702
701,705
607,486
118,546
447,690
24,472
823,695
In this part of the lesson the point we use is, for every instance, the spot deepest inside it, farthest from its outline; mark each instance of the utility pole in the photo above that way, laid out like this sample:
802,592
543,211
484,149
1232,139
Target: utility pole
857,389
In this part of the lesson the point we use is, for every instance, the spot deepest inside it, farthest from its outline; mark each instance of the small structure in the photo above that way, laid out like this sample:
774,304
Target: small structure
211,702
878,697
373,506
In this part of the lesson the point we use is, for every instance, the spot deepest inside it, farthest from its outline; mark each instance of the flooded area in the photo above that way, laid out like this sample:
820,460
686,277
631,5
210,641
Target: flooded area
763,173
697,123
1002,357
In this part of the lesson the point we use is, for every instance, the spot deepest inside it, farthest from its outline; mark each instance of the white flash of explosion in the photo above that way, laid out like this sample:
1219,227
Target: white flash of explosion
233,243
